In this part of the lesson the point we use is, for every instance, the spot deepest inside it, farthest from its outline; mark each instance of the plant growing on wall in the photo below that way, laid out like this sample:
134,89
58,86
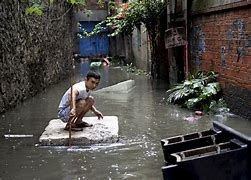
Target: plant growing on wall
200,92
129,15
37,7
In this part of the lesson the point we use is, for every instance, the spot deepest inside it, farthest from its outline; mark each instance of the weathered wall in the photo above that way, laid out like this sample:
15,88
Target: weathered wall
116,45
205,5
220,40
121,45
35,51
141,48
134,48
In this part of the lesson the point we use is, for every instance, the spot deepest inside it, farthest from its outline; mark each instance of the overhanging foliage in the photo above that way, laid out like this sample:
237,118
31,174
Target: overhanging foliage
37,7
129,15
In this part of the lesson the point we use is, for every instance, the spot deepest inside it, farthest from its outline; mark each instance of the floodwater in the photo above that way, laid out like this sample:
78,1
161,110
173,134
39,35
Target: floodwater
144,119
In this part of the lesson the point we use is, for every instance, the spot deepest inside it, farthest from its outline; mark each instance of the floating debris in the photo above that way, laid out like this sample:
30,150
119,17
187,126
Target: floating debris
191,118
17,135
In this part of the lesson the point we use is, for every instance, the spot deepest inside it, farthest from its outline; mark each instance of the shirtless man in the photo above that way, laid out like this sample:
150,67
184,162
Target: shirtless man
82,102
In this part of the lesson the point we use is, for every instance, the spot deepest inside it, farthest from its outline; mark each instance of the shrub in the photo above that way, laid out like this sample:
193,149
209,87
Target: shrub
200,92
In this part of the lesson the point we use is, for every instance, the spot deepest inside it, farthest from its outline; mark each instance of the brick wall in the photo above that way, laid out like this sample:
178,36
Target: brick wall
221,41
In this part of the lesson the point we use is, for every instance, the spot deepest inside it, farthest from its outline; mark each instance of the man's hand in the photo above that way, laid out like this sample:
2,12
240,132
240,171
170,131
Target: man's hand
99,114
73,112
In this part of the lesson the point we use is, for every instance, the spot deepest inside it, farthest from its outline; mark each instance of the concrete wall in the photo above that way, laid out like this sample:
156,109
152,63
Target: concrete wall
35,51
205,5
117,45
221,41
135,48
141,48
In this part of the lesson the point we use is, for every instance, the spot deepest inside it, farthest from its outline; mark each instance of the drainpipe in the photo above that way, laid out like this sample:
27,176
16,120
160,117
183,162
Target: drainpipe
186,46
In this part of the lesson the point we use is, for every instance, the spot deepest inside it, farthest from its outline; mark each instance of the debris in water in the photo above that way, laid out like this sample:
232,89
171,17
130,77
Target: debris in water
199,113
192,118
17,135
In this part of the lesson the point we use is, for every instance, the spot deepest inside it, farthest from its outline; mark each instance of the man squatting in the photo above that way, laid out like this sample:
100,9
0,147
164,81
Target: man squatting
82,102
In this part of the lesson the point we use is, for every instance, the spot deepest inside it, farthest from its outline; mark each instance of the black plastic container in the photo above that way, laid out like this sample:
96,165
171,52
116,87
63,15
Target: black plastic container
219,153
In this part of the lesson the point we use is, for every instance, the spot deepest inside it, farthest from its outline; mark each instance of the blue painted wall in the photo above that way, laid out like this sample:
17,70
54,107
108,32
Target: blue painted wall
95,45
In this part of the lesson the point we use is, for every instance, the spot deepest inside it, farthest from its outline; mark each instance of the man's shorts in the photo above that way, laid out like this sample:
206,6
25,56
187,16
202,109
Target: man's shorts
64,114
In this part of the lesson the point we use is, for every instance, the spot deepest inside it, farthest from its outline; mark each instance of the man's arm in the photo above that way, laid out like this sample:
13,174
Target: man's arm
73,103
96,112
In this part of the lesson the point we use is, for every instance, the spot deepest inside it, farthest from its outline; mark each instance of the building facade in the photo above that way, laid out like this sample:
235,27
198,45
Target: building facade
220,40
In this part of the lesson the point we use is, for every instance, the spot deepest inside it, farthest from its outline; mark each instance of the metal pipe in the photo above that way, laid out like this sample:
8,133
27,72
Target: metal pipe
186,46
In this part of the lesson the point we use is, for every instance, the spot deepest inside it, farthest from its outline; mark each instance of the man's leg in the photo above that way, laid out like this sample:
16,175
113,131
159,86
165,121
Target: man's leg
66,117
83,106
63,114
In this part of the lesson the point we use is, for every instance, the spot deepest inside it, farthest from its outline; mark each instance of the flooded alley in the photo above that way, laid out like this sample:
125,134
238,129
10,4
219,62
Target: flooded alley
144,119
194,54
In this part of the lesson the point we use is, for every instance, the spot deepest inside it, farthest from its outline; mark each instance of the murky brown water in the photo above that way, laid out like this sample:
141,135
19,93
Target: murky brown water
144,119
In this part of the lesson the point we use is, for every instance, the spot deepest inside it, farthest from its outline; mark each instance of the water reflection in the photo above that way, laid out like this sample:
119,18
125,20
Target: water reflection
84,67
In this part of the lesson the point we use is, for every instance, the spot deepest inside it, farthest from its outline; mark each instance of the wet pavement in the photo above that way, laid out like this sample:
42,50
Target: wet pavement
144,119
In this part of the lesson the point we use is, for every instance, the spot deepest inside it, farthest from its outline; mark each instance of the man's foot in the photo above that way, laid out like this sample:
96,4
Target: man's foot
83,124
73,128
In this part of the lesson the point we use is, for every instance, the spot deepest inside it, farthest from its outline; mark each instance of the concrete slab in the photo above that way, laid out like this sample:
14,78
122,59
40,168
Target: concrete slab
121,88
103,131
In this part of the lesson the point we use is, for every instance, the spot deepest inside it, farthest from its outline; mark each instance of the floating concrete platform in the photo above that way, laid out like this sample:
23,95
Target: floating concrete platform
121,88
102,131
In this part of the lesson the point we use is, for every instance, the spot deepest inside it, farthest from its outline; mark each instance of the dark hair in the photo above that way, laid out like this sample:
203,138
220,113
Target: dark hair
92,74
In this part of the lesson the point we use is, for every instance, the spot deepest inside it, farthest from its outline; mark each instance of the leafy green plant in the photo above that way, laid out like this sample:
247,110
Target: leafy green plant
117,60
198,92
130,68
36,7
218,106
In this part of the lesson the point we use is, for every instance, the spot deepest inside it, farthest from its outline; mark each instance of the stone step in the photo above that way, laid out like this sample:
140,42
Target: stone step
102,131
